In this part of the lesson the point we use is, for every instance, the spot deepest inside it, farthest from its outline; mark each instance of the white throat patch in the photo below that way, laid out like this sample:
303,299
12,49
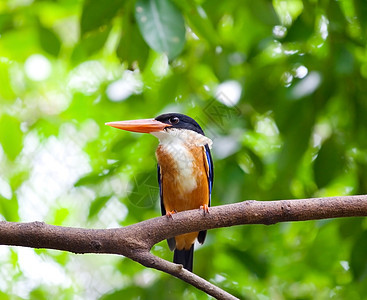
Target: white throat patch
182,135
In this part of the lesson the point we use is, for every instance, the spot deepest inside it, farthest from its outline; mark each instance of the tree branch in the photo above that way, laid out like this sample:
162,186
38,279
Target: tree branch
135,241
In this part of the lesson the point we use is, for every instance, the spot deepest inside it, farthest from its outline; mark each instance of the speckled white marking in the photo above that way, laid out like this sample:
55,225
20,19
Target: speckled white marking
177,143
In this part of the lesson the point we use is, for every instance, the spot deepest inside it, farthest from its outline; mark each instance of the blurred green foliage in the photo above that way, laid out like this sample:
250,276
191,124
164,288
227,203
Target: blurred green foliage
280,87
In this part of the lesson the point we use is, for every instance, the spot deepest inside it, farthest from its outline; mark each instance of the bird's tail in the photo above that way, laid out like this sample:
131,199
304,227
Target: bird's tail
184,257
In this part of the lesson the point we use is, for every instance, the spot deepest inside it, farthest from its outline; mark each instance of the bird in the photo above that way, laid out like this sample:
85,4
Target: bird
185,172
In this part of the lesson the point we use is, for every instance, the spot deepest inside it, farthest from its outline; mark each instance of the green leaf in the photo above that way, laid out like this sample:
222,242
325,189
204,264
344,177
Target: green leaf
325,242
90,44
92,178
11,137
6,90
97,205
300,31
358,257
162,26
329,162
4,296
39,293
18,178
361,11
264,11
46,127
257,264
199,21
9,209
97,13
96,177
132,47
6,22
60,215
350,227
49,41
296,140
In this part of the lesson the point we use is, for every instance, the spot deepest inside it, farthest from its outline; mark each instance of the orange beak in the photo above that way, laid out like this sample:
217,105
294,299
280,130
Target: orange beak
143,125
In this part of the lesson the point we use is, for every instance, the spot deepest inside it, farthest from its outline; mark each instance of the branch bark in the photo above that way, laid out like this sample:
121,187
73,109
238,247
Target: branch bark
135,241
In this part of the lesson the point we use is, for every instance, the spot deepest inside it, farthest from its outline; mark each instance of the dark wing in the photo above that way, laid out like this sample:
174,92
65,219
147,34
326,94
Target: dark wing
171,242
210,172
159,176
210,176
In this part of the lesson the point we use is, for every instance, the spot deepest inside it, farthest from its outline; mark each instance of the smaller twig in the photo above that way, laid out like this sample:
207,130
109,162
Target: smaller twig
151,261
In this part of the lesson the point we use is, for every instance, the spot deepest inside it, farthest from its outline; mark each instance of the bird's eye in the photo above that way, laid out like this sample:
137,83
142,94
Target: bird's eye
174,120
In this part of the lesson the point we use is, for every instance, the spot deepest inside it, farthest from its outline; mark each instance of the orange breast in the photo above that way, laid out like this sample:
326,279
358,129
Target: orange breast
184,184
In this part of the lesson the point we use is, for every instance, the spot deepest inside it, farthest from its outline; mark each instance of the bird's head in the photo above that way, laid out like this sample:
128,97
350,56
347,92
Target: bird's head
160,123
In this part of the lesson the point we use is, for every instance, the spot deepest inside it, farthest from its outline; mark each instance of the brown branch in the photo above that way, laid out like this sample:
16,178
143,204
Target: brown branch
135,241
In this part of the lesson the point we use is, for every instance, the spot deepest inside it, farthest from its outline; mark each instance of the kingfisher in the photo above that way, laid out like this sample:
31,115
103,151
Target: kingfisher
185,172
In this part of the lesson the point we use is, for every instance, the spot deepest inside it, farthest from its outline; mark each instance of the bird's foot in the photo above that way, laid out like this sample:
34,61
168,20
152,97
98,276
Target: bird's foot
170,213
205,208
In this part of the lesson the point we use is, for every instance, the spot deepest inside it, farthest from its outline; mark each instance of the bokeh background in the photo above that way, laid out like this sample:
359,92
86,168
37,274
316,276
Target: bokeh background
280,86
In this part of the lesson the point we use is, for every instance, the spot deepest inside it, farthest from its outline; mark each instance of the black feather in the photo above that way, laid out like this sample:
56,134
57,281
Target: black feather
184,257
185,122
201,236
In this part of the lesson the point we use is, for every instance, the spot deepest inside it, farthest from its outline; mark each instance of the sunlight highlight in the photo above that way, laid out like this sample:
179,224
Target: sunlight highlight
229,92
37,67
129,84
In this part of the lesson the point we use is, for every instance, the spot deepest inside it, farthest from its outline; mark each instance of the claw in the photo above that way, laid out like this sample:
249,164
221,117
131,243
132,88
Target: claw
170,213
205,208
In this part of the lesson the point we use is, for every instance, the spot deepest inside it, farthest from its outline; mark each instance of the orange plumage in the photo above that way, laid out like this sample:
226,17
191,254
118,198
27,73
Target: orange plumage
177,196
